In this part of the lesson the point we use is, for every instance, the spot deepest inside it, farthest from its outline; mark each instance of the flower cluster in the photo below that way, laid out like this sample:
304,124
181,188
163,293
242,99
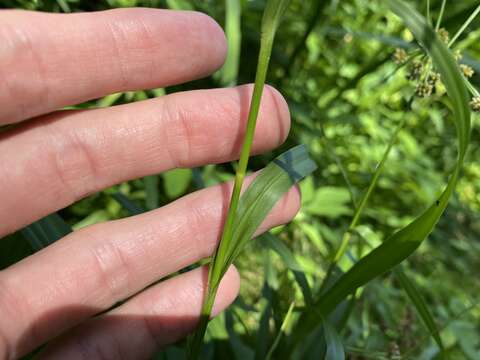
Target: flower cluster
475,103
421,72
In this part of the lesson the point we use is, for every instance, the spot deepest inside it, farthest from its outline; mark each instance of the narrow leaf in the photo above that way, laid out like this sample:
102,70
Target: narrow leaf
46,231
288,258
420,304
151,192
283,327
335,350
128,204
255,204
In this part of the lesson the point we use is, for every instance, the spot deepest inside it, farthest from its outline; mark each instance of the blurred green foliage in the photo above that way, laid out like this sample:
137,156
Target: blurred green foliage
332,61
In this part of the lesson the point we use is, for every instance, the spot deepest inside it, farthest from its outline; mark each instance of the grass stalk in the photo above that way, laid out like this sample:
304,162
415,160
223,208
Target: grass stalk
440,16
361,206
273,12
464,26
283,327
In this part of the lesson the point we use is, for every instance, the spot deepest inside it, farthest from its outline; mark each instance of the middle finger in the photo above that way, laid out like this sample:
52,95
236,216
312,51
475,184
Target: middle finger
74,153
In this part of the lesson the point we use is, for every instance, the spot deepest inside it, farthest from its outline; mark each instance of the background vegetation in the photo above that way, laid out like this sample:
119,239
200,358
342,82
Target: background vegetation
332,60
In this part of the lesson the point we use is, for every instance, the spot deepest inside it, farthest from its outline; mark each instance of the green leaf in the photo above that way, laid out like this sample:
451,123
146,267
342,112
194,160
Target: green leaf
240,350
260,197
335,350
263,332
255,204
288,258
13,248
404,242
285,324
420,304
151,192
128,204
273,14
46,231
264,192
176,182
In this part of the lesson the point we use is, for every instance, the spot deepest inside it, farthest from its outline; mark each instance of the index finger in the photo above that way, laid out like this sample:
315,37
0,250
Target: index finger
48,61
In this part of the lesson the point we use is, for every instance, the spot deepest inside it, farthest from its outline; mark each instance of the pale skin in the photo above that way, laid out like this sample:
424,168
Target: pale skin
52,159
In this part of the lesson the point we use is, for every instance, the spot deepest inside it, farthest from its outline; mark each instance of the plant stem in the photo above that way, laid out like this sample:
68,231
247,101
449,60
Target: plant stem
464,26
359,209
283,327
263,61
440,16
217,268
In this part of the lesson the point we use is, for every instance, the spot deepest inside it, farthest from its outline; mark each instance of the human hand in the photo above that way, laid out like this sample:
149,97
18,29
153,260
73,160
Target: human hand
48,61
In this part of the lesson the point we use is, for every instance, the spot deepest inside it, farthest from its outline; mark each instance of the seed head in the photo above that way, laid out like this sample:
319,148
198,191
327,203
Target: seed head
433,78
475,103
457,54
415,70
467,70
400,56
444,35
423,90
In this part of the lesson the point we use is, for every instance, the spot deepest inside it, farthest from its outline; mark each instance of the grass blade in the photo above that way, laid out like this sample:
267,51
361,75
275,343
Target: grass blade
288,258
13,248
440,15
46,231
335,349
464,26
263,332
227,248
404,242
151,192
257,201
420,305
128,204
283,327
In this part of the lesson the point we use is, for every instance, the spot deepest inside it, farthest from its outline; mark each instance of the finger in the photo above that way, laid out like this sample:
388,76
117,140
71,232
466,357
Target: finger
48,61
67,156
159,316
96,267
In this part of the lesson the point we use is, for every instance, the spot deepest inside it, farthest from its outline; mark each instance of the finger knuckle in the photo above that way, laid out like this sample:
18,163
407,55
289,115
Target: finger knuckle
17,51
75,165
113,268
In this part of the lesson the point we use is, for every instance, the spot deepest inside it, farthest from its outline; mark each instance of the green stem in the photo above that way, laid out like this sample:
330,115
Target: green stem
471,88
359,209
440,16
217,268
263,61
283,327
464,26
